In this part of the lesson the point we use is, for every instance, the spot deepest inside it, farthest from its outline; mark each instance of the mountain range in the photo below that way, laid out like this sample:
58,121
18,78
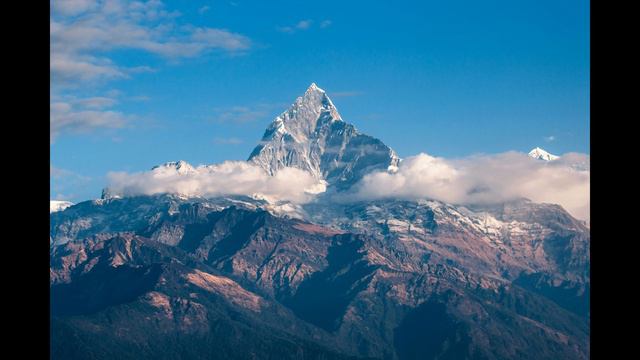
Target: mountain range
168,276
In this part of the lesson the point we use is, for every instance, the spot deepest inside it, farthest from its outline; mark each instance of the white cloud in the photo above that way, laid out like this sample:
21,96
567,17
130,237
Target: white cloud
82,34
69,70
203,9
485,179
325,23
80,116
65,183
549,138
301,25
227,178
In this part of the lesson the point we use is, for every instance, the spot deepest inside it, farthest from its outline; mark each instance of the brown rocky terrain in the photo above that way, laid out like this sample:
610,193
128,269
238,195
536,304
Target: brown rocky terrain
366,294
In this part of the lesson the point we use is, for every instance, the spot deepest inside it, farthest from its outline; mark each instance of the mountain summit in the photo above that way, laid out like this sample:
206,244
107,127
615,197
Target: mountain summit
541,154
312,136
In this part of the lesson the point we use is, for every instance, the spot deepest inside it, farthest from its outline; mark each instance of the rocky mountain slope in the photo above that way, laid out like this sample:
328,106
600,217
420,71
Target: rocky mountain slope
359,293
170,276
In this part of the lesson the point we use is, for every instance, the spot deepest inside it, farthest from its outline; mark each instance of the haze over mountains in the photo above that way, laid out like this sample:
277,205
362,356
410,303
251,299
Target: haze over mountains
323,245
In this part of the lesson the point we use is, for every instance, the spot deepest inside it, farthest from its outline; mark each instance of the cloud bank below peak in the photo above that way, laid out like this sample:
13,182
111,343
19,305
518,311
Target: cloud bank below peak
224,179
485,179
481,179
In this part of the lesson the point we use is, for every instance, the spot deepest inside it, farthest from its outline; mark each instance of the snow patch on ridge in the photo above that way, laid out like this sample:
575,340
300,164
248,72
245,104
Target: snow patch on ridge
58,205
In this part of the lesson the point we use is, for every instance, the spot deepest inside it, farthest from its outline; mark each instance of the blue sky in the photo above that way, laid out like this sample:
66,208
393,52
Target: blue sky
136,85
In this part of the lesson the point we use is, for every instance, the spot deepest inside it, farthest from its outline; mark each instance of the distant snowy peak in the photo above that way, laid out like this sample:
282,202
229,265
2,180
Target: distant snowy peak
312,136
541,154
167,169
181,167
58,205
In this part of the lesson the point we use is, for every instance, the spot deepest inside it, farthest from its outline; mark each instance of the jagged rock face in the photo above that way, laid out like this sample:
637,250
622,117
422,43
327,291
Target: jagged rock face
139,214
312,136
499,241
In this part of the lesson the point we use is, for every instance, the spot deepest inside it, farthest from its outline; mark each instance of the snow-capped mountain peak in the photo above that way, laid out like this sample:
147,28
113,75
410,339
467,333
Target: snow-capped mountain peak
312,136
58,205
181,167
301,120
541,154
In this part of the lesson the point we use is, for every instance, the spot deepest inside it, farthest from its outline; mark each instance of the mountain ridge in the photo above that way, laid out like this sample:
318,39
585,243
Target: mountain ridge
418,262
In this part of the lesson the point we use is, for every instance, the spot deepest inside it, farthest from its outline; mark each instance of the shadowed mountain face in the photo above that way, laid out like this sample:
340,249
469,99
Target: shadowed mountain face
423,332
128,297
166,277
323,298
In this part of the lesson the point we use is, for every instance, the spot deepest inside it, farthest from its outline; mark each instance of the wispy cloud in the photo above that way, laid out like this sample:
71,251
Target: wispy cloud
59,173
84,115
302,25
549,138
73,7
71,69
80,43
65,183
203,9
98,102
84,35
